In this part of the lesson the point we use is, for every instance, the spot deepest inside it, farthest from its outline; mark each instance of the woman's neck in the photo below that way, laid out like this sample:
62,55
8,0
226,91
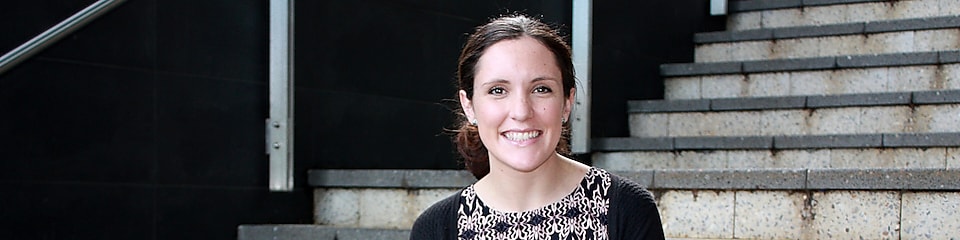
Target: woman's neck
508,190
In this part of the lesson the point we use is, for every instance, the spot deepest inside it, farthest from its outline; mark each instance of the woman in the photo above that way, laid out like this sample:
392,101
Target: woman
516,84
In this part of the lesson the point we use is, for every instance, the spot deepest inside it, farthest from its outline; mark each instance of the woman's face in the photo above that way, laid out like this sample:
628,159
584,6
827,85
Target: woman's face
518,103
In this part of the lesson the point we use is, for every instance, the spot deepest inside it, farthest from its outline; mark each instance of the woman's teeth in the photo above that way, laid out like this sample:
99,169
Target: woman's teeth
521,136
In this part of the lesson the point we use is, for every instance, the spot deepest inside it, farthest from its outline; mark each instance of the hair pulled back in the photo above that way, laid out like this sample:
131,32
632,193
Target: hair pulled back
467,138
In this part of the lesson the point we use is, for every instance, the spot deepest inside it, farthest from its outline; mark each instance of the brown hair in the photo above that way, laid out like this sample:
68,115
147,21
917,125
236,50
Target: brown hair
467,138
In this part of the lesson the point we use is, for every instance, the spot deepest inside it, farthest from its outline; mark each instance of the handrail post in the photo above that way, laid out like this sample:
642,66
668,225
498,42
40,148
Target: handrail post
64,28
280,124
582,38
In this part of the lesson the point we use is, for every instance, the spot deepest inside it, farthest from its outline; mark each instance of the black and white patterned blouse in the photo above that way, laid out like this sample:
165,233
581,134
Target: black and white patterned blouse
580,215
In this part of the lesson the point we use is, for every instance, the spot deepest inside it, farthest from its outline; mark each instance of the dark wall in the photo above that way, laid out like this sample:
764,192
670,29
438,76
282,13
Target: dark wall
145,124
630,41
148,123
375,79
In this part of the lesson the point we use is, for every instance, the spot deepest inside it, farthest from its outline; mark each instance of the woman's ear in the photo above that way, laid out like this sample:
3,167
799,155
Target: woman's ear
467,105
568,104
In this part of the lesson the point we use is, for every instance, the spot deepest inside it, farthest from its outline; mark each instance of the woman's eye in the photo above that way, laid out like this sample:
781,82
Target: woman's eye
497,91
542,89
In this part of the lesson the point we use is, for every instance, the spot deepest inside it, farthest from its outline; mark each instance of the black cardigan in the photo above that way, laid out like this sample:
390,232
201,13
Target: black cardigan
632,215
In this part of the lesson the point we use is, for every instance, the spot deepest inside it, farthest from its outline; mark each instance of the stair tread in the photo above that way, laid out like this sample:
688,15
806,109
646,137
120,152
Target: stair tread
872,140
313,231
794,102
789,179
765,34
807,64
758,5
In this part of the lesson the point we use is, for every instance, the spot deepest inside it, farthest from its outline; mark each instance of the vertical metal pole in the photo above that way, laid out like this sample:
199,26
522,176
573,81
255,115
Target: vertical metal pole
718,7
582,36
280,123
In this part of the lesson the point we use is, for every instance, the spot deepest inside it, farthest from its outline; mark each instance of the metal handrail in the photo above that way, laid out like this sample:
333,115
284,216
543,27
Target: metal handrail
47,38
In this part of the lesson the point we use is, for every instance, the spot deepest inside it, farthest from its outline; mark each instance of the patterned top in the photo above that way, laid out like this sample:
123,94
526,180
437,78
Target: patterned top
580,215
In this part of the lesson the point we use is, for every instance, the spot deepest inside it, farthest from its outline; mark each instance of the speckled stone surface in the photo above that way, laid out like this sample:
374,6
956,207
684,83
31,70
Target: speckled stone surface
930,215
697,214
810,82
953,158
937,40
949,7
731,124
783,122
769,215
337,207
744,21
635,160
701,160
940,118
893,42
388,208
649,125
686,124
915,9
806,158
913,78
894,119
857,158
749,159
833,121
781,18
716,52
768,84
374,208
866,12
869,80
856,215
950,77
722,86
796,48
826,14
730,179
752,50
681,88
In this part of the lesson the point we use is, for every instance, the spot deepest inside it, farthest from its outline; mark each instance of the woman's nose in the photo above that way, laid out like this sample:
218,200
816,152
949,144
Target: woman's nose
521,108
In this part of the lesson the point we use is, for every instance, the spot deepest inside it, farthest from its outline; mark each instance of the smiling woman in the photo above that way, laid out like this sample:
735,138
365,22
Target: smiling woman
516,91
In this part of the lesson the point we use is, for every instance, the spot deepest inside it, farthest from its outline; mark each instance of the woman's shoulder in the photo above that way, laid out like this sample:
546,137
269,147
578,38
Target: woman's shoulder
435,222
629,192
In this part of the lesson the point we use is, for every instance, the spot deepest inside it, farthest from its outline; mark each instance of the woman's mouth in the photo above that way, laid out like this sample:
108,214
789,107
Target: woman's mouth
521,136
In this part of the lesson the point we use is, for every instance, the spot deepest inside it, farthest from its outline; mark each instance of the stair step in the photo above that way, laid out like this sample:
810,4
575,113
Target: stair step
759,5
760,14
725,204
803,142
824,121
795,102
906,72
897,36
320,232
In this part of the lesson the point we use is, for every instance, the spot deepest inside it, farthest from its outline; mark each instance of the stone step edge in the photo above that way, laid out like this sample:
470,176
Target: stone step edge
766,34
759,5
312,231
795,102
727,179
793,142
810,64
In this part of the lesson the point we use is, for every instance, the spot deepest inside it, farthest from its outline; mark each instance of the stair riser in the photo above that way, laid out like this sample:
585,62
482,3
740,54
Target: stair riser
373,207
880,43
896,158
849,13
825,121
826,82
816,215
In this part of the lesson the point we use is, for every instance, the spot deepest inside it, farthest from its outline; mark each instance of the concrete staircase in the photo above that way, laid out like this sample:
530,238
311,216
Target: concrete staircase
808,119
